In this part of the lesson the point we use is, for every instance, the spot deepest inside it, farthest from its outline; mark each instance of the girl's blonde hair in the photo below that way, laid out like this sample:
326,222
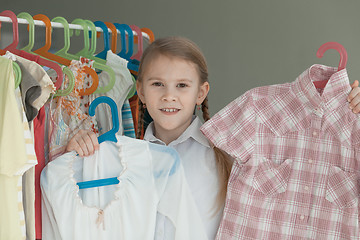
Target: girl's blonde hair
185,49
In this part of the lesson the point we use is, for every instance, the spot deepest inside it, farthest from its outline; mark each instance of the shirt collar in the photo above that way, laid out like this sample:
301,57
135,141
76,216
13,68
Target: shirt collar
294,109
193,131
337,86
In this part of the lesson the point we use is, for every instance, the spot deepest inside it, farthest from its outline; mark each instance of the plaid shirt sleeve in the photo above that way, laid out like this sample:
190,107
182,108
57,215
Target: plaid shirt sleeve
233,128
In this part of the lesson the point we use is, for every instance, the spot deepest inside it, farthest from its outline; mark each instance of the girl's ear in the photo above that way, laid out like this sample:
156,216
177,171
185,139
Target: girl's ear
139,90
203,92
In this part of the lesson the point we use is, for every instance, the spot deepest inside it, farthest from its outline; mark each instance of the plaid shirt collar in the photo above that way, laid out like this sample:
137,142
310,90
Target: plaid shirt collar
193,131
336,88
281,117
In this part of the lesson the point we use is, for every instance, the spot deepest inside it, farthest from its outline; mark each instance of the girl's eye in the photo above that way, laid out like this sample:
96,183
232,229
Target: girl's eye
182,85
157,84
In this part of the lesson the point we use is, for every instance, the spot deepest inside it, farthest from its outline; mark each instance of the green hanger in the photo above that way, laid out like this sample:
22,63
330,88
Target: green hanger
86,52
133,89
64,51
17,72
93,49
71,84
30,20
93,39
30,45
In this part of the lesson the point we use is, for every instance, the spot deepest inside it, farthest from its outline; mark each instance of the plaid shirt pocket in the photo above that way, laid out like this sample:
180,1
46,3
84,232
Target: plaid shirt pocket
342,188
272,179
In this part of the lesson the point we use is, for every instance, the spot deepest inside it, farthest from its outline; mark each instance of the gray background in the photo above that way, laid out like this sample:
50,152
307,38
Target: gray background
247,43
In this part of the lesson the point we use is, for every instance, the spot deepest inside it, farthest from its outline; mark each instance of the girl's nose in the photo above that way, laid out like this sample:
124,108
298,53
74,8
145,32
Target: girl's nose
169,96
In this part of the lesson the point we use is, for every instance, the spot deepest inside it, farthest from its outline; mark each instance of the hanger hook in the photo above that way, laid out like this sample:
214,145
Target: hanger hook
110,135
337,46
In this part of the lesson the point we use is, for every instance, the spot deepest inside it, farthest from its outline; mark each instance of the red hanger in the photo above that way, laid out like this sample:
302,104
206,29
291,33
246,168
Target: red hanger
13,45
24,54
343,58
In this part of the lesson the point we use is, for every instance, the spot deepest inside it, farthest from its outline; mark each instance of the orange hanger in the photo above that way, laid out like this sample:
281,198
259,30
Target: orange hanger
95,84
113,35
44,51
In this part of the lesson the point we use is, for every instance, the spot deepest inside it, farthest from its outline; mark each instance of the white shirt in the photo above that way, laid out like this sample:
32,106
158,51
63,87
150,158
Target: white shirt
151,180
198,159
118,93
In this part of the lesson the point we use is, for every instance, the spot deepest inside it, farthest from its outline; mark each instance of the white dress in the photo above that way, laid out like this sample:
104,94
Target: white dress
151,181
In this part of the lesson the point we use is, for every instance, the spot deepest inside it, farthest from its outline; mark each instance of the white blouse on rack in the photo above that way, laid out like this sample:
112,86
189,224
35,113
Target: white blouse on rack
151,181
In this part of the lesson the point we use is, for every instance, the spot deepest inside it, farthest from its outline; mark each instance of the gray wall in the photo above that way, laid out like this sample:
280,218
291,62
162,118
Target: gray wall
247,43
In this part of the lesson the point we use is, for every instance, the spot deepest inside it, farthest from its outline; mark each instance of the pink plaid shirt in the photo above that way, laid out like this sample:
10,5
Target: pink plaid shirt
296,174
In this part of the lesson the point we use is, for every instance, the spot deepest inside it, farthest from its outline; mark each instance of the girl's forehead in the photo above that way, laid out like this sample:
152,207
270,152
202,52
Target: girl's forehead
162,66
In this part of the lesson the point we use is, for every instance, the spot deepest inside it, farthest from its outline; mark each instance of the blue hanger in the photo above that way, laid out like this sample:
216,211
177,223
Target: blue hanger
123,28
119,27
108,136
103,26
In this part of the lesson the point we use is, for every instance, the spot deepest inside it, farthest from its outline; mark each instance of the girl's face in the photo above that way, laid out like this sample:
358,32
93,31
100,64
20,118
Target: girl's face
171,88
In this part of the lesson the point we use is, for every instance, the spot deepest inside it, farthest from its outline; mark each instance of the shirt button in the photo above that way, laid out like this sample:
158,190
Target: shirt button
302,217
314,134
310,161
306,188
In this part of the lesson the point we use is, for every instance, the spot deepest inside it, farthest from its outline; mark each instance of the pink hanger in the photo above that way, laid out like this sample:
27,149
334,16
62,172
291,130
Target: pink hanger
337,46
139,53
343,58
10,14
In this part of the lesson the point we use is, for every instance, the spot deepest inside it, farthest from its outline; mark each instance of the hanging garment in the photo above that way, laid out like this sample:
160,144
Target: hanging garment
16,156
34,99
127,120
134,106
119,92
26,191
30,91
296,174
198,160
39,124
151,180
30,88
36,72
70,113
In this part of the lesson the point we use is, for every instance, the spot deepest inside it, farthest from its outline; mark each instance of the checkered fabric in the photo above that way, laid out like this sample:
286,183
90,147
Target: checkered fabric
296,174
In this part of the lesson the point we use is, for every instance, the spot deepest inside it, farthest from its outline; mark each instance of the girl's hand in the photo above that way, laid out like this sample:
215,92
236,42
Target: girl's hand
84,142
354,97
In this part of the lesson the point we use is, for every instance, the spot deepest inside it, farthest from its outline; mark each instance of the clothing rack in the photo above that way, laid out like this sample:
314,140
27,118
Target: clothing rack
59,25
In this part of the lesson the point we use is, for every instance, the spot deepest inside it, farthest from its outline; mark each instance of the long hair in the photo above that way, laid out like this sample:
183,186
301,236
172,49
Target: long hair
185,49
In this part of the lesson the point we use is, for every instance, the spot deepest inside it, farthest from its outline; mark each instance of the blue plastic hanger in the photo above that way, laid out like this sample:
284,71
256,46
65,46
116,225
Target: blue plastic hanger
124,28
103,26
108,136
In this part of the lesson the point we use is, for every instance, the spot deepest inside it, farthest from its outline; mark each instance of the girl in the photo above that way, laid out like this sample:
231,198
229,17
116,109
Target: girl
172,80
